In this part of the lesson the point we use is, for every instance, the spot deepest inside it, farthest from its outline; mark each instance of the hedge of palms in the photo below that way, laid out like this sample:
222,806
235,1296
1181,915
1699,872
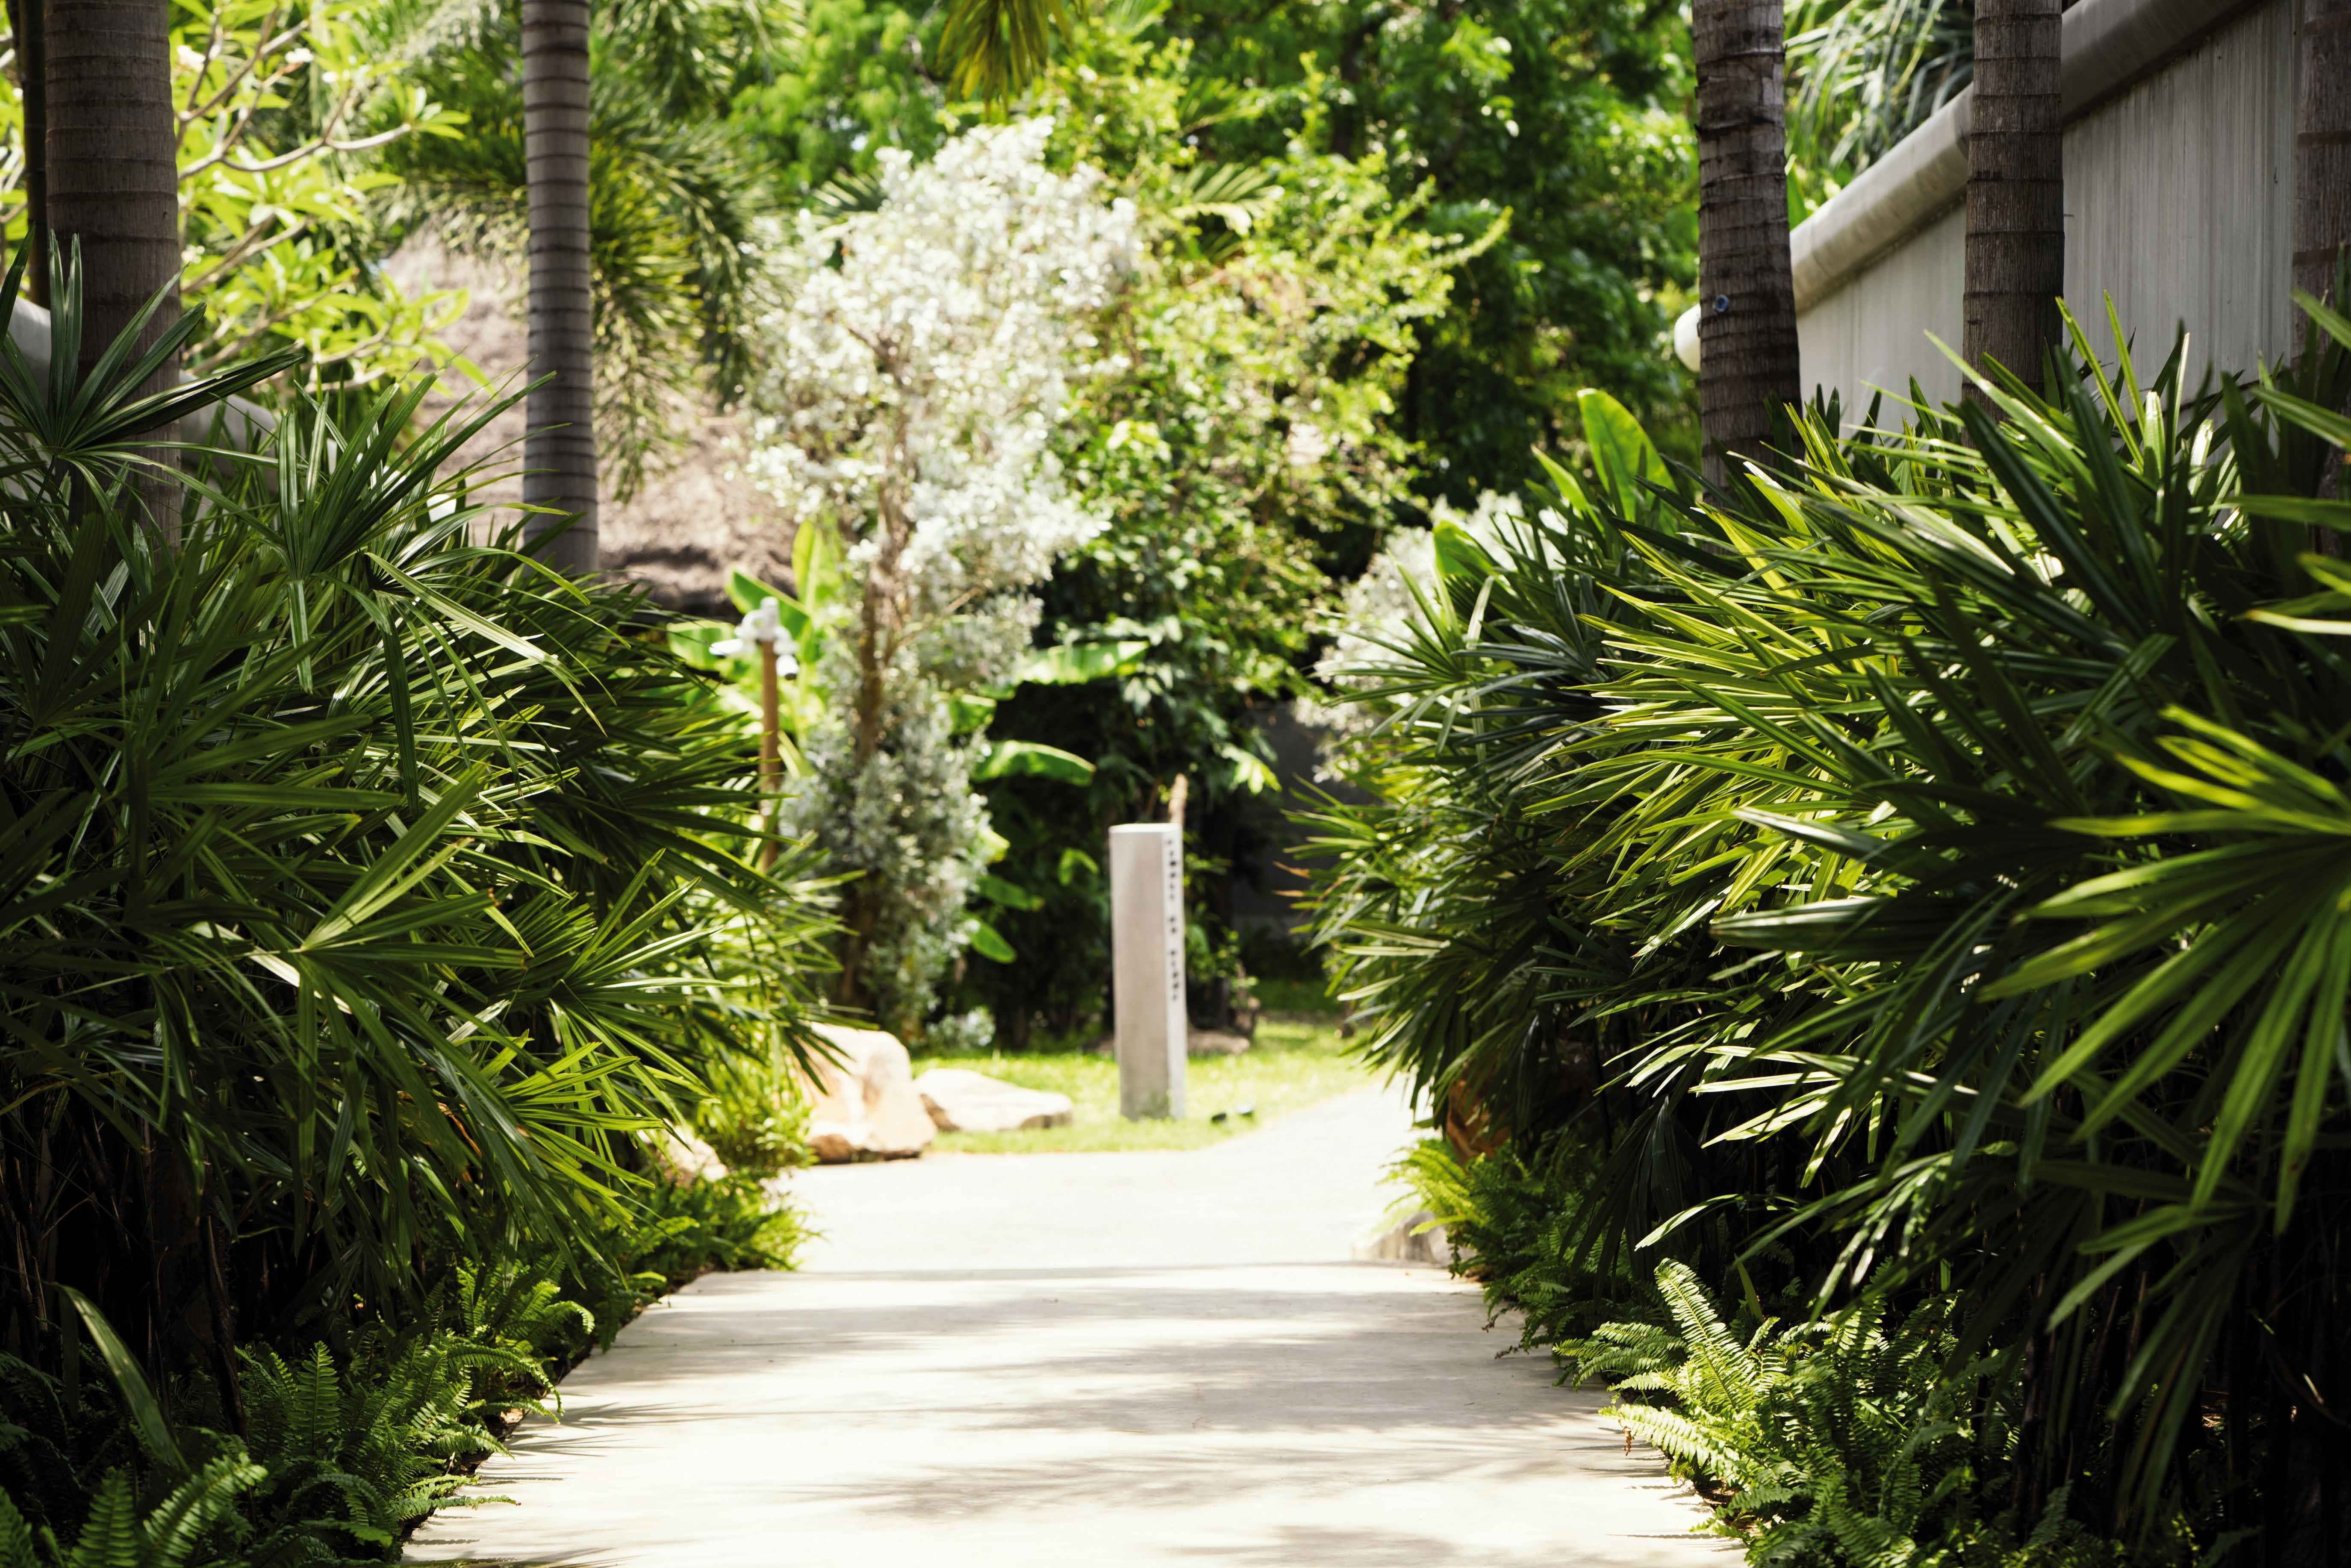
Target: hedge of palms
365,888
1922,876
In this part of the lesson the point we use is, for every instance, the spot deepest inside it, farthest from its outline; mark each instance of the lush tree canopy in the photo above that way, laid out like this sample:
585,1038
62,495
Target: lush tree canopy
1566,116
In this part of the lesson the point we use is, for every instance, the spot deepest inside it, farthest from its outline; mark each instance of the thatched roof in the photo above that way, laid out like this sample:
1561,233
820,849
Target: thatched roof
694,518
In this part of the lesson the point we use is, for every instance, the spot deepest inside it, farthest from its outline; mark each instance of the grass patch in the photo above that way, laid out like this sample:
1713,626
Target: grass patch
1294,1064
1290,997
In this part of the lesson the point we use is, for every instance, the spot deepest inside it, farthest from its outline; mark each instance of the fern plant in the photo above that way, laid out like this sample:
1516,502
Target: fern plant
356,1453
110,1481
731,1223
1942,847
1515,1221
196,1524
352,1457
512,1323
1838,1444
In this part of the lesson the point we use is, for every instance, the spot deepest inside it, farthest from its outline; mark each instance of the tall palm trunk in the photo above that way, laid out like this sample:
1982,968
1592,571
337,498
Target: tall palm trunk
113,190
112,163
2016,188
560,449
33,94
1749,366
2321,183
2322,147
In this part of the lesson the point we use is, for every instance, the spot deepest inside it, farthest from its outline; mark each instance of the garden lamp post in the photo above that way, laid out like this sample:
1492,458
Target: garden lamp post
1146,944
763,628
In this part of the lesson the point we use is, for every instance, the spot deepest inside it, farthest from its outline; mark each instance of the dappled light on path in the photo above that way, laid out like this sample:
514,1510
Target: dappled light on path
961,1379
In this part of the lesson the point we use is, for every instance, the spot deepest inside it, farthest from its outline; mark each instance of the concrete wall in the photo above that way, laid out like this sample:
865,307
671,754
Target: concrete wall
1870,335
2183,205
2179,200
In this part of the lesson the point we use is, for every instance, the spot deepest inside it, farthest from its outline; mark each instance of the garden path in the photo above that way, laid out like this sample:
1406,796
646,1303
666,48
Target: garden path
1042,1361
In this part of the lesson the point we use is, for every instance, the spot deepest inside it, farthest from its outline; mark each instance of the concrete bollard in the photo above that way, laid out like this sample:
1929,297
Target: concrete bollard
1146,943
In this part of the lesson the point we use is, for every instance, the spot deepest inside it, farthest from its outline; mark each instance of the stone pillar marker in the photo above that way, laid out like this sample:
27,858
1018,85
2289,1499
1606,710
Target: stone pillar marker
1146,944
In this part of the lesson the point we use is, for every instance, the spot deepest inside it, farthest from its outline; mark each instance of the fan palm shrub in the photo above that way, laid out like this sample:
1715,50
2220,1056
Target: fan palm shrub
1937,847
365,887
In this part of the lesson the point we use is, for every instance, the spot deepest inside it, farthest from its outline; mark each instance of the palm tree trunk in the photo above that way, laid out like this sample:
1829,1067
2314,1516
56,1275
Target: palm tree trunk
33,94
560,449
2322,147
113,160
1749,365
2016,188
2321,187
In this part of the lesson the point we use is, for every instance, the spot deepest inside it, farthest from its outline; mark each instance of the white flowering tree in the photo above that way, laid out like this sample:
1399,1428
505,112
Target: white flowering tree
917,360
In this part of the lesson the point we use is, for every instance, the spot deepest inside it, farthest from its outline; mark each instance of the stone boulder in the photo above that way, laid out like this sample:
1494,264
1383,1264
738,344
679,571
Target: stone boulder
863,1107
1418,1238
962,1100
682,1159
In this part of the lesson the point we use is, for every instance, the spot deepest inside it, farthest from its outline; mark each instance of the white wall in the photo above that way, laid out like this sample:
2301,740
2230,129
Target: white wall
1870,335
2179,200
2178,204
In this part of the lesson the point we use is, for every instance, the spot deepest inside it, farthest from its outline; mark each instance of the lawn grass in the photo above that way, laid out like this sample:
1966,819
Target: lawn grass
1296,1062
1285,999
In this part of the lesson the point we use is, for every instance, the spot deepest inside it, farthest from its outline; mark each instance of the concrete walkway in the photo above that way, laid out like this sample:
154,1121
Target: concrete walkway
1097,1360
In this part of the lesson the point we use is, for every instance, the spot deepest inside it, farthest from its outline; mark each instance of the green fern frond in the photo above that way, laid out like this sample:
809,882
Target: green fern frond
1729,1368
110,1536
1678,1437
1765,1497
199,1508
17,1547
1646,1382
1866,1540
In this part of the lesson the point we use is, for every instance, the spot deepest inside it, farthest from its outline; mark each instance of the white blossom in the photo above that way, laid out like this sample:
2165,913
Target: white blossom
763,625
918,358
917,362
1377,604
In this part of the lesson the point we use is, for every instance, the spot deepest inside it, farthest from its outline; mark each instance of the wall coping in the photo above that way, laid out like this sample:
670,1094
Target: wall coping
2110,45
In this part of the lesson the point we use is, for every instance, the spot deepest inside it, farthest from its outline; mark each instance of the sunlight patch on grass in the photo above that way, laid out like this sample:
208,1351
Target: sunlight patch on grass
1295,1062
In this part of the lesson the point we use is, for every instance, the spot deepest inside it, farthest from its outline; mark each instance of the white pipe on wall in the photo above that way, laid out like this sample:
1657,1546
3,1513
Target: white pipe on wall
2109,45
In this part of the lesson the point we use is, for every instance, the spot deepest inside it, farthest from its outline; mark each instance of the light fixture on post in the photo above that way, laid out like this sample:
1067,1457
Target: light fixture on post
1685,339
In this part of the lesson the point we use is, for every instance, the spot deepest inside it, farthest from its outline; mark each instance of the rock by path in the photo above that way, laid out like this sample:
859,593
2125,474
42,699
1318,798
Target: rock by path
1102,1360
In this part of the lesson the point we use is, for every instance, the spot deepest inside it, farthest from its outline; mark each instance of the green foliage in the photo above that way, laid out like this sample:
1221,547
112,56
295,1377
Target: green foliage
1563,117
1516,1222
1844,1444
283,116
695,1228
755,1119
1623,459
865,77
424,888
1245,456
354,1455
343,1453
997,46
1921,867
185,1529
283,119
1863,74
1029,759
